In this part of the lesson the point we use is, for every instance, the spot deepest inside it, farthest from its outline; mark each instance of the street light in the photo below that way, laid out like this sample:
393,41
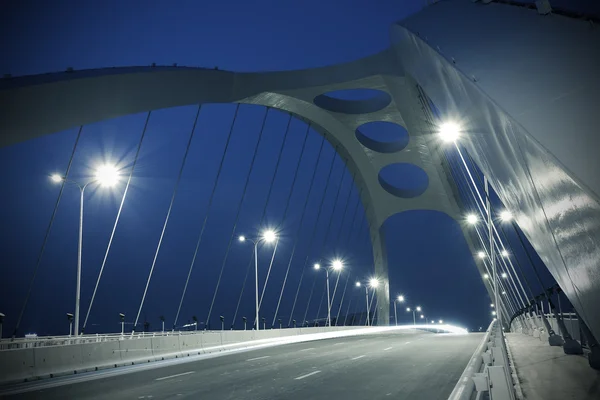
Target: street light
481,255
472,219
504,253
372,283
122,318
414,311
336,265
400,299
449,132
486,276
268,236
441,321
70,319
504,275
107,176
506,216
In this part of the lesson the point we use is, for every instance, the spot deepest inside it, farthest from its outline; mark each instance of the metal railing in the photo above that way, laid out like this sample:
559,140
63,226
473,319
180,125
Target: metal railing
488,371
45,341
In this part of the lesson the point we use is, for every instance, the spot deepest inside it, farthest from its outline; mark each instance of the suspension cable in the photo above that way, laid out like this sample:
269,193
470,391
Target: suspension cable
287,271
164,228
47,234
268,274
312,236
330,301
342,301
237,216
264,212
112,234
210,201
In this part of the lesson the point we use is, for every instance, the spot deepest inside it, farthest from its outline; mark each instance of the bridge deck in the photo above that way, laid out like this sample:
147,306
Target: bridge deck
547,373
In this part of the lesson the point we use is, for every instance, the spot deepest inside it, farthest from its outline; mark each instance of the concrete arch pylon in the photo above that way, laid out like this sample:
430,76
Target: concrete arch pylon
38,105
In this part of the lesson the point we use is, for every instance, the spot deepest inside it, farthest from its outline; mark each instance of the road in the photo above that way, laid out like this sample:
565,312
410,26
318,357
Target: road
398,365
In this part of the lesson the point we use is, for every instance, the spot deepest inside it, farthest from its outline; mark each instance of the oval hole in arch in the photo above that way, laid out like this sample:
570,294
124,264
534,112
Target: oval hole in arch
403,180
353,101
382,136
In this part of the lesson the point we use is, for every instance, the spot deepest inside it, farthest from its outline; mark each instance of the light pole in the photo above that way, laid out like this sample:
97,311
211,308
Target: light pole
245,320
70,319
400,299
162,319
414,311
122,318
336,265
106,175
268,236
373,283
1,322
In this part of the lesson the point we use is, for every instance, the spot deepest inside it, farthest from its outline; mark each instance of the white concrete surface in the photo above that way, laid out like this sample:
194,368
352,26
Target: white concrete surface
547,373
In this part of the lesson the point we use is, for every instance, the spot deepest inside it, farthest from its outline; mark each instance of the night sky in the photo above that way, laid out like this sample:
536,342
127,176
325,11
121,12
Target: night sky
429,261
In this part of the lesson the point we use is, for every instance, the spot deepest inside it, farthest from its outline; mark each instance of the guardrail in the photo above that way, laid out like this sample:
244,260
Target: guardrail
44,341
488,370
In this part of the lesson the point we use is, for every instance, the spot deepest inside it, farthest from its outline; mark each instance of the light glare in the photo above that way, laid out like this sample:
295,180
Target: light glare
504,253
107,175
337,265
472,219
449,132
486,276
504,275
242,238
506,216
481,255
317,266
357,284
269,236
56,178
418,308
400,299
374,282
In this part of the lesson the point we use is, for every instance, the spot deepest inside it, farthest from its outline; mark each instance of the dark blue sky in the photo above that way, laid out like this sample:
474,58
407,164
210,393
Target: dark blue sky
429,260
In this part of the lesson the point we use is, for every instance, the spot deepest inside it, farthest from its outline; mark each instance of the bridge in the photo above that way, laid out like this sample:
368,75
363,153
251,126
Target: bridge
522,194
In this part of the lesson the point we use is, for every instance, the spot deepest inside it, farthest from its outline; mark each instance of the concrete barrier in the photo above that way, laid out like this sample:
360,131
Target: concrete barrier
100,355
39,362
190,345
165,347
135,350
57,360
211,342
17,365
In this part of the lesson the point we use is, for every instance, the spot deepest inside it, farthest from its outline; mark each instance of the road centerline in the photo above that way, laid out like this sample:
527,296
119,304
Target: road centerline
307,375
174,376
356,358
257,358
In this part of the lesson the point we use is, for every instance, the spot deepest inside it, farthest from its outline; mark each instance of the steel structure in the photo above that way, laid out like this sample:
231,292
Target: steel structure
525,97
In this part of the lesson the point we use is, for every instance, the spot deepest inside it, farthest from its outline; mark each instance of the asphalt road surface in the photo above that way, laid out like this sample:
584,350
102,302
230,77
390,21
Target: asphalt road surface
398,365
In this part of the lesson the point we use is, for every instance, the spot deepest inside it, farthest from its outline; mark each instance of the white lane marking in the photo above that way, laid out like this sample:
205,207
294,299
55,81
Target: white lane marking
174,376
335,344
389,348
307,375
407,343
310,348
356,358
360,340
257,358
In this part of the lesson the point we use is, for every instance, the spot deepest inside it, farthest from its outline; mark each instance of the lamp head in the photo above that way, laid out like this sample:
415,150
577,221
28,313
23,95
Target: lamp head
449,132
317,266
401,299
506,216
357,284
242,238
481,255
56,178
337,265
472,219
374,282
107,175
269,236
